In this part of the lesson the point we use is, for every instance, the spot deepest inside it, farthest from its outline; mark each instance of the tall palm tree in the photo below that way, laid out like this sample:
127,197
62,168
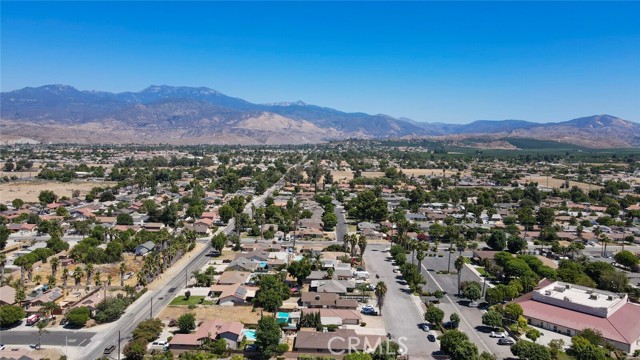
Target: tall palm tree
54,266
123,269
420,255
353,241
77,275
89,270
362,244
29,268
37,279
51,281
109,278
345,241
459,265
41,330
381,292
97,280
3,262
65,276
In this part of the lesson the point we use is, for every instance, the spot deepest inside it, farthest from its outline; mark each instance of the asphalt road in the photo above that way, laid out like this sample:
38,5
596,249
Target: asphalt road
72,338
341,226
401,314
142,309
471,317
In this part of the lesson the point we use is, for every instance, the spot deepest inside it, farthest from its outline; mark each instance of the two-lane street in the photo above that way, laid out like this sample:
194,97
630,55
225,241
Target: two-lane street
402,315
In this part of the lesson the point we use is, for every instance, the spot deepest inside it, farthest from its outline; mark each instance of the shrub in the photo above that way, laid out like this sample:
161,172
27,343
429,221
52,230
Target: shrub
10,314
186,323
78,316
110,309
148,330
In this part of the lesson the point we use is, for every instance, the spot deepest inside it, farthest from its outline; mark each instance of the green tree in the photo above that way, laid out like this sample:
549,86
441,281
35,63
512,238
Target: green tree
329,220
583,349
380,291
186,323
268,336
300,270
226,212
465,350
472,291
626,258
135,349
78,316
459,265
533,334
10,314
498,240
450,340
124,219
434,315
219,241
492,318
47,197
526,350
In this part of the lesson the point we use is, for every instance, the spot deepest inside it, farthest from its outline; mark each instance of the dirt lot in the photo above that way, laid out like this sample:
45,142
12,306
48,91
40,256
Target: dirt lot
556,183
29,191
203,312
429,172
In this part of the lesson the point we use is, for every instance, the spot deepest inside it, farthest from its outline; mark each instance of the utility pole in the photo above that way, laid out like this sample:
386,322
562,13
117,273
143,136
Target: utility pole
119,344
151,309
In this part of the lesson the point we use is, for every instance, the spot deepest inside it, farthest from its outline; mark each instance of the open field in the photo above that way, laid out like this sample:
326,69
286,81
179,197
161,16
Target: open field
432,172
557,183
29,191
224,313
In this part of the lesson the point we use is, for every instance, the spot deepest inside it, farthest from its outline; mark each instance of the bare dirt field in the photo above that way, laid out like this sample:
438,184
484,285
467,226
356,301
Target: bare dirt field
243,314
29,191
556,183
432,172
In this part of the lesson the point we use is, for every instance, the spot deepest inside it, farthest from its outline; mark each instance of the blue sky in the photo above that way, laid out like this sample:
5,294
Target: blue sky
429,61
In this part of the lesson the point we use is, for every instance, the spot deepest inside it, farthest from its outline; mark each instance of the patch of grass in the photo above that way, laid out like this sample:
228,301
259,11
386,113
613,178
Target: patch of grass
482,271
193,300
564,356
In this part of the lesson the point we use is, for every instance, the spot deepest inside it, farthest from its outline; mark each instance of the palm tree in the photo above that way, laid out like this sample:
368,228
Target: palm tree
89,270
51,281
3,262
362,244
97,280
109,278
459,265
37,279
123,269
54,266
353,241
420,255
345,241
41,330
29,268
381,292
77,275
65,276
49,307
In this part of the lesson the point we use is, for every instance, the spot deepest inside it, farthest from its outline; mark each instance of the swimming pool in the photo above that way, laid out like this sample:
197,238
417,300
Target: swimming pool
282,317
250,334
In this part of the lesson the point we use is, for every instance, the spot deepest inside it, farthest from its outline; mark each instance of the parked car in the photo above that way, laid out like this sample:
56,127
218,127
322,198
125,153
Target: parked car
108,350
424,327
2,347
431,338
160,344
35,346
450,325
506,341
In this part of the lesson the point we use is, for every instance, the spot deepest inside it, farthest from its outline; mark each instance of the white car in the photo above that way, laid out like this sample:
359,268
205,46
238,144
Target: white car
160,344
500,335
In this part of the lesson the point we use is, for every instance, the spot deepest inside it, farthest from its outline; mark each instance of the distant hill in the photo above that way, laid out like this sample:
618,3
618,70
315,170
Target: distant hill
191,115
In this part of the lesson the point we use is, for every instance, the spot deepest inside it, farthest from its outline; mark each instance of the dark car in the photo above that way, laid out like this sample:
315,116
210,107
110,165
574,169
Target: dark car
431,338
449,325
109,350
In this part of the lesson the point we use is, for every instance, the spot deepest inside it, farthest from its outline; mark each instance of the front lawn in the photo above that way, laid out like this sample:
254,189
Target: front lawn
193,300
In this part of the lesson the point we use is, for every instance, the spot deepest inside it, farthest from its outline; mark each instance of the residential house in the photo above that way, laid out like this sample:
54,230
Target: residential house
340,287
7,295
234,294
230,331
243,264
327,301
234,277
145,248
312,341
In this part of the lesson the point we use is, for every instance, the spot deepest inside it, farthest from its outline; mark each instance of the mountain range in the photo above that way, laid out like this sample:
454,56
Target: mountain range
194,115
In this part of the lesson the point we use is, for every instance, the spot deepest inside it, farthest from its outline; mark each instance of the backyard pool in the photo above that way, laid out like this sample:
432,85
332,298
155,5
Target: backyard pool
250,334
282,317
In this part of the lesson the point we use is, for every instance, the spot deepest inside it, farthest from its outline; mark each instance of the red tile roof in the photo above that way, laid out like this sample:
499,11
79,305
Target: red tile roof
617,327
